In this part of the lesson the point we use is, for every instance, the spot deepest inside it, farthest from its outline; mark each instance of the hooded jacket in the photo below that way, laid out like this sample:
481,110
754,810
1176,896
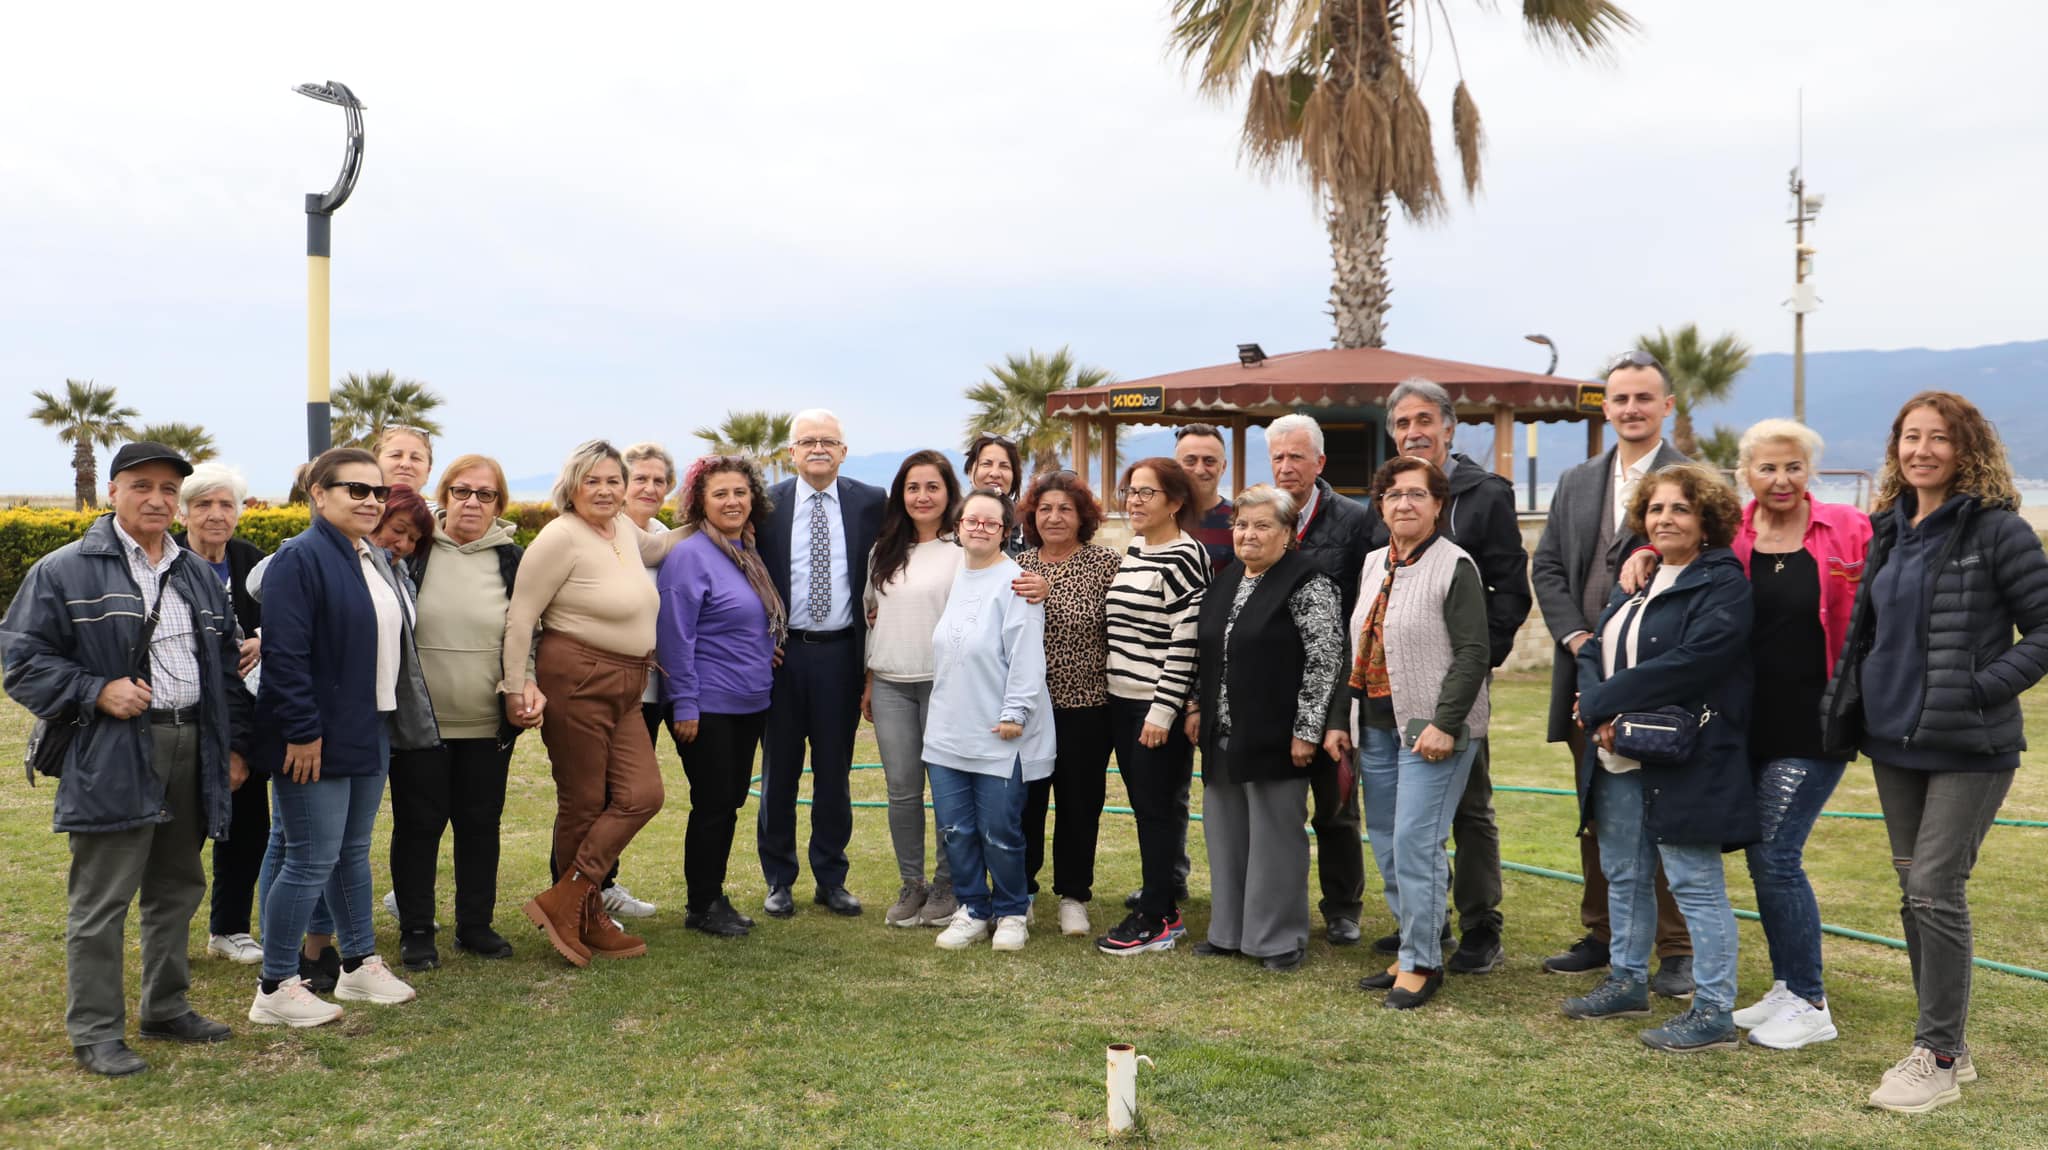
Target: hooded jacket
461,642
1694,651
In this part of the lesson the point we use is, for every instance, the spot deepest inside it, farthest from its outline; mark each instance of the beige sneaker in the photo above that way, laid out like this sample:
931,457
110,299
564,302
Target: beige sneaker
1966,1070
1916,1085
291,1004
374,982
1074,918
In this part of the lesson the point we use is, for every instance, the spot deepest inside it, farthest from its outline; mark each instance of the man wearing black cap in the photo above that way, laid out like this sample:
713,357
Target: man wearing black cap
127,644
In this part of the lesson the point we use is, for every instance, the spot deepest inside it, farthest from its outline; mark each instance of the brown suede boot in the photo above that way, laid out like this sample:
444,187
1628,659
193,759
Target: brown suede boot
602,937
560,911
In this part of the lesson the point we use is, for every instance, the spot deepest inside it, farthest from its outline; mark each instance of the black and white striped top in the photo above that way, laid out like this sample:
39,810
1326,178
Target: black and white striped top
1151,610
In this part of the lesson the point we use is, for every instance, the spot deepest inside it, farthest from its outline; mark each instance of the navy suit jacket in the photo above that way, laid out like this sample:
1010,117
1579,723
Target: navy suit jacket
860,515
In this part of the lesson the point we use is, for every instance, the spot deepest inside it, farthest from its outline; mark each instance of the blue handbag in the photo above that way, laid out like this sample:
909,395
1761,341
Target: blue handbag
1666,736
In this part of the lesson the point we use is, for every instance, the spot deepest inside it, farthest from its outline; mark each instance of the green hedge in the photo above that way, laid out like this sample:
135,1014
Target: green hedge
29,533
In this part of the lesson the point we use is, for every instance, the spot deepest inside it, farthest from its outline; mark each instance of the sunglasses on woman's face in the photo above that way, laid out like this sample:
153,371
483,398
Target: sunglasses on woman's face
361,491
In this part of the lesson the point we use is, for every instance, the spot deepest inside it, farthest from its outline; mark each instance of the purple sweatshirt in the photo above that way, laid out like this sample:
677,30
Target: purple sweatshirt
712,634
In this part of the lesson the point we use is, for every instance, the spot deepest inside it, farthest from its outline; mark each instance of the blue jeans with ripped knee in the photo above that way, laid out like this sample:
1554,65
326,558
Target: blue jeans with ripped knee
1789,797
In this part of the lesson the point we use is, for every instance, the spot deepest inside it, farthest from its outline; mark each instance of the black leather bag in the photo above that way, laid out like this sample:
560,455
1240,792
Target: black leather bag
1666,736
50,740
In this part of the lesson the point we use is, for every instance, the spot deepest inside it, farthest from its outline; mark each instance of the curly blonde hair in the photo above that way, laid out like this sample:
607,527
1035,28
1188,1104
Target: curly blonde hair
1981,466
1712,500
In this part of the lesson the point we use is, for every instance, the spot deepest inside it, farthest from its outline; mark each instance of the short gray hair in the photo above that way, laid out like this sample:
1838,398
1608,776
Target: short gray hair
643,451
581,462
813,415
1297,423
211,476
1416,385
1265,495
1805,438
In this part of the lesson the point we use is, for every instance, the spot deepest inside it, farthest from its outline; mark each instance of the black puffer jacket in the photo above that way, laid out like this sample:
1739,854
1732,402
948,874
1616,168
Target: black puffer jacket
1990,578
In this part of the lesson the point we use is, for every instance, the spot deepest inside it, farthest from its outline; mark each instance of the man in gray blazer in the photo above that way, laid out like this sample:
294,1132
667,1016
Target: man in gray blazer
1573,571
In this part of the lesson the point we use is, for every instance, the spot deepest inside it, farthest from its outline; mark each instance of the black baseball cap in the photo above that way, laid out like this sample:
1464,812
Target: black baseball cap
137,454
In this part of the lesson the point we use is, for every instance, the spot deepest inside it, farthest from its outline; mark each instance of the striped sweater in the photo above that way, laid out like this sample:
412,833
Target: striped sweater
1151,613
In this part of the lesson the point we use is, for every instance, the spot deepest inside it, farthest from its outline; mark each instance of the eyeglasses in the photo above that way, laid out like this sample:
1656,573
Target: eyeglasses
986,438
982,526
480,494
1137,494
1635,358
1405,495
361,491
814,442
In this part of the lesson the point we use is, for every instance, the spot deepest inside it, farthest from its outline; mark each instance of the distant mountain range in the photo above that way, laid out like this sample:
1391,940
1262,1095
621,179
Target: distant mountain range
1851,397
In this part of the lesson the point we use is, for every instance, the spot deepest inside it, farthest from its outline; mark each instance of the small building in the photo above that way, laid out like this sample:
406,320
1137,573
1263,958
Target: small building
1344,389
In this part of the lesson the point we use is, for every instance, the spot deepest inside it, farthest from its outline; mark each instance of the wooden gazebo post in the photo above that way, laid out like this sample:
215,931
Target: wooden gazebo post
1504,441
1237,426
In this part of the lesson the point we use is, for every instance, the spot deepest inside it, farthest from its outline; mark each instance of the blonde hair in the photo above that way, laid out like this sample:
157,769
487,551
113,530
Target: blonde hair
426,441
464,463
643,451
582,462
1791,431
1982,469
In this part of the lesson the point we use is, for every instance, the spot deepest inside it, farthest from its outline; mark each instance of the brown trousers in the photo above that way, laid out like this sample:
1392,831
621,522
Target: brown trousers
1672,939
607,784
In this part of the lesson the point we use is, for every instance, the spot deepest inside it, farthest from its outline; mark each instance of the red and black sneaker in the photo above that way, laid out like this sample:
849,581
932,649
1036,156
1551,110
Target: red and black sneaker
1173,924
1137,933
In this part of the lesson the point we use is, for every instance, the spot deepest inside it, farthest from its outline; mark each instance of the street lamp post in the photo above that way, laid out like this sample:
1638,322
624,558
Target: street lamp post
1805,208
1541,341
320,209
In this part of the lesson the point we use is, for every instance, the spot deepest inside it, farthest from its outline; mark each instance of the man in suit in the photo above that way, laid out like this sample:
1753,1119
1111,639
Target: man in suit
1584,541
816,548
1481,519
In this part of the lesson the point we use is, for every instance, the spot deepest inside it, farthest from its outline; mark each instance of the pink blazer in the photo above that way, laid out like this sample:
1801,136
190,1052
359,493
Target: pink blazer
1838,537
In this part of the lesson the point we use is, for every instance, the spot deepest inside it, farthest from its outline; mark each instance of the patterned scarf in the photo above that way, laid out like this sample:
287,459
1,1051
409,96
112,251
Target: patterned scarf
1369,669
748,558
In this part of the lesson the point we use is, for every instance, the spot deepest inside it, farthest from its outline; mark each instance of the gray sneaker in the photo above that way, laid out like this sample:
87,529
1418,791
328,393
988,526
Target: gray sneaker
1615,997
939,905
1673,978
1700,1028
909,907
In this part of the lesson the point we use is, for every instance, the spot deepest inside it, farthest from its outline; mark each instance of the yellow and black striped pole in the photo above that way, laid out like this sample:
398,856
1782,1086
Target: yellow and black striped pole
320,209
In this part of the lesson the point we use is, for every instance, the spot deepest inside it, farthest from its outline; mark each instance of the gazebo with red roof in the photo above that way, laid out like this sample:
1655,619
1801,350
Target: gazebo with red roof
1345,389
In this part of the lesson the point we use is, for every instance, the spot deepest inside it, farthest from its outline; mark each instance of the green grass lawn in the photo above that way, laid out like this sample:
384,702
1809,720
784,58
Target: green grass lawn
823,1031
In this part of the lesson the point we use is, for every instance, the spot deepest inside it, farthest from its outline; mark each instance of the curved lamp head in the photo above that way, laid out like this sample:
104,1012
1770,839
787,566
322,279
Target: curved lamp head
335,92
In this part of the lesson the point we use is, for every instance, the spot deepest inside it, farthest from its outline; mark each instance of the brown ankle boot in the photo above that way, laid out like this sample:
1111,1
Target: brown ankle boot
560,911
602,937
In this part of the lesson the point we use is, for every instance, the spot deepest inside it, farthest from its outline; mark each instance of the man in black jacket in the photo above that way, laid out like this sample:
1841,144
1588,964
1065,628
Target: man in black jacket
1421,420
1335,535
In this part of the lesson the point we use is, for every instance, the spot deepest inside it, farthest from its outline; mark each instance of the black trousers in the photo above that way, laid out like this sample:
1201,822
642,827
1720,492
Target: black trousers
1475,873
815,705
1154,777
1080,776
460,783
719,763
238,859
1337,819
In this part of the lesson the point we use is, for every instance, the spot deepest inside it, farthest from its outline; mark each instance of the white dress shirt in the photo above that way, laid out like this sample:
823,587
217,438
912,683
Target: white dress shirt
839,614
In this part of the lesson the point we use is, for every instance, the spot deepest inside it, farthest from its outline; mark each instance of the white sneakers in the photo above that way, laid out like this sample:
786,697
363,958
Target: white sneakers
1916,1085
1074,918
1782,1020
1802,1025
235,948
1011,931
620,903
373,982
291,1004
1774,1002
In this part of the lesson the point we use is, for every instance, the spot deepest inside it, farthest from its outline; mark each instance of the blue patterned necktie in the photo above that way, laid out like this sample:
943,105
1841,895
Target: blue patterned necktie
821,563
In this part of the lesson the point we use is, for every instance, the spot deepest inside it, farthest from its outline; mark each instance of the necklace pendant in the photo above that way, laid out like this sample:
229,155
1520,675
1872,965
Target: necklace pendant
1778,568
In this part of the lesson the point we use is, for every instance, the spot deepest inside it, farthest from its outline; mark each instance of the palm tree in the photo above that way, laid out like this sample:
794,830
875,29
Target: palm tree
1012,402
759,435
1332,93
364,405
85,417
1723,448
190,440
1700,375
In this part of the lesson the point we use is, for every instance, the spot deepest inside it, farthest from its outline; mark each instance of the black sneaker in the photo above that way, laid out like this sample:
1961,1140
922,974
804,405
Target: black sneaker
1387,943
734,912
715,920
1588,953
321,974
416,950
1131,900
1479,952
1673,978
1138,932
482,941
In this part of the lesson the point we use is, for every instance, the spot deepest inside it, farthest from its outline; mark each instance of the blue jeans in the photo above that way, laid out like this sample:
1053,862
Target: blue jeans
981,821
327,826
1790,794
1409,802
1628,858
322,921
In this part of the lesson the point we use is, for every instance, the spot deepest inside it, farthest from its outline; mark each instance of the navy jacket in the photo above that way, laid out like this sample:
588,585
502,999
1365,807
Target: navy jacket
1693,646
860,516
73,626
320,661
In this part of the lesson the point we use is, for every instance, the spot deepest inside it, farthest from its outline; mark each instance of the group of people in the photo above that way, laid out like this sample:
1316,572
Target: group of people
1330,658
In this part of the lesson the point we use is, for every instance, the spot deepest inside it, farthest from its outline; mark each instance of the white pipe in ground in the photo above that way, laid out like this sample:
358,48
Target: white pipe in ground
1123,1085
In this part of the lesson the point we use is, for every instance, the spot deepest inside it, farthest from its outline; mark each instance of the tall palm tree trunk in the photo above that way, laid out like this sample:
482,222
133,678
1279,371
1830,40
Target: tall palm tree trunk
85,475
1358,281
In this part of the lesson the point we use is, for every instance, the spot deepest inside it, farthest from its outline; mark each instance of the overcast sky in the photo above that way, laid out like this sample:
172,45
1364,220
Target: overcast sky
624,220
